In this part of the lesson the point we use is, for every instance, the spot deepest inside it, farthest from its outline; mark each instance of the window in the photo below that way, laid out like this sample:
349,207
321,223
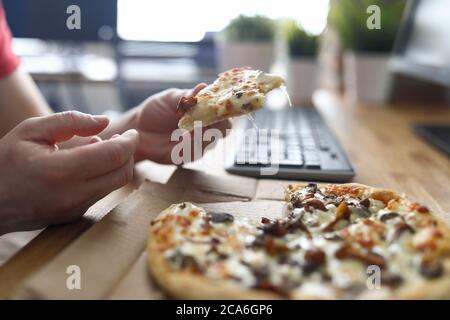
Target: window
188,20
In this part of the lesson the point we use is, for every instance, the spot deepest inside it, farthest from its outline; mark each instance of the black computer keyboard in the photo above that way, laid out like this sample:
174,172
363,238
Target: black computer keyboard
295,140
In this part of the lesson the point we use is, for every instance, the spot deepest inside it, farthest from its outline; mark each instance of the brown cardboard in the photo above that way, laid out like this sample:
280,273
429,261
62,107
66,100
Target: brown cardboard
201,187
110,253
137,284
106,251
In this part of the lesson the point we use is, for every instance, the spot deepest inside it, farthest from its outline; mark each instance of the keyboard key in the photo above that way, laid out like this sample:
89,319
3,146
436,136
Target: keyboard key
313,166
289,162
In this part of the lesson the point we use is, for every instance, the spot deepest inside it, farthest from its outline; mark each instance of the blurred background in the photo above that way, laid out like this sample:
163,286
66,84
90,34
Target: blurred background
128,50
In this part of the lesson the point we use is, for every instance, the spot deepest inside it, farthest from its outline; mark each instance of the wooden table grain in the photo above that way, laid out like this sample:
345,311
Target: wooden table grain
378,139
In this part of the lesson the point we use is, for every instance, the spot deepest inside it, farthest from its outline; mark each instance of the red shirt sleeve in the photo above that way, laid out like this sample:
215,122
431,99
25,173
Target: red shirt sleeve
8,60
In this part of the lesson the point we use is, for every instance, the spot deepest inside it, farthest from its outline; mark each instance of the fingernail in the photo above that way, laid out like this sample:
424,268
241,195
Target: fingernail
95,139
101,119
130,133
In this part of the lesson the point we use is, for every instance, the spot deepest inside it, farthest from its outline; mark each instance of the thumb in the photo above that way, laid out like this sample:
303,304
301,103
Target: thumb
197,88
192,92
62,126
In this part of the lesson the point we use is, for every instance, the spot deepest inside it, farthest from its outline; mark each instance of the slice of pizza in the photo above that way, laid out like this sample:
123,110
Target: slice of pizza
346,241
235,92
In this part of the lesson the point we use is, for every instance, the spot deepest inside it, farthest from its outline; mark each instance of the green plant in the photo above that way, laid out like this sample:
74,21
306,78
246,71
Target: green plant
300,43
349,18
246,28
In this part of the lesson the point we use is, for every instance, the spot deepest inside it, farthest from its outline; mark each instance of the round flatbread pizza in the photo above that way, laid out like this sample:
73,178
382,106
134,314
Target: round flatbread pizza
346,241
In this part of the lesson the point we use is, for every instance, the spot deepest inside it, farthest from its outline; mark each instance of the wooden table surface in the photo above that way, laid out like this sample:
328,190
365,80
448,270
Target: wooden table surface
378,140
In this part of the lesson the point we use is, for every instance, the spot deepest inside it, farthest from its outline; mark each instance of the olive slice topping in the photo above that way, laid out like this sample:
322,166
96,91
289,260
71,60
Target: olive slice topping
239,94
391,279
399,229
388,216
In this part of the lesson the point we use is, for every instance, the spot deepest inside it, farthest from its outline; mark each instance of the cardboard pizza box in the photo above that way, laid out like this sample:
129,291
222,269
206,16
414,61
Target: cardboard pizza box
111,254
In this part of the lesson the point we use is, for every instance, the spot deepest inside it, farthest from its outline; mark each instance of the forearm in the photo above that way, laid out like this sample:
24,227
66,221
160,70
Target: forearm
20,99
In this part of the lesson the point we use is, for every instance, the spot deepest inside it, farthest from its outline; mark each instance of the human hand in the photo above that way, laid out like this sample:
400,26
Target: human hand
156,118
41,184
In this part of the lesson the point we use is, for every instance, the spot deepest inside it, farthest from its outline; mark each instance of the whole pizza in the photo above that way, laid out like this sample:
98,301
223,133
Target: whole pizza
346,241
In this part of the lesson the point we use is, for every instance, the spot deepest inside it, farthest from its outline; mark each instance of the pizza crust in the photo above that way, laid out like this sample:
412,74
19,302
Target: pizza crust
360,190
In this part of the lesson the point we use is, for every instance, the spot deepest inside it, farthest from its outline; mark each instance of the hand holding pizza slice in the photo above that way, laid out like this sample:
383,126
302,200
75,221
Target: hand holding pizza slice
235,92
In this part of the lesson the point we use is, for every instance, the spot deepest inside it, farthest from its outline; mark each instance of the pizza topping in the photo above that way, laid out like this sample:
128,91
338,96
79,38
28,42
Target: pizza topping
365,232
186,104
316,255
314,203
347,251
342,212
247,106
220,217
358,211
258,241
391,279
229,106
365,202
182,261
390,215
311,188
431,268
265,220
314,258
297,223
399,229
419,208
275,228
